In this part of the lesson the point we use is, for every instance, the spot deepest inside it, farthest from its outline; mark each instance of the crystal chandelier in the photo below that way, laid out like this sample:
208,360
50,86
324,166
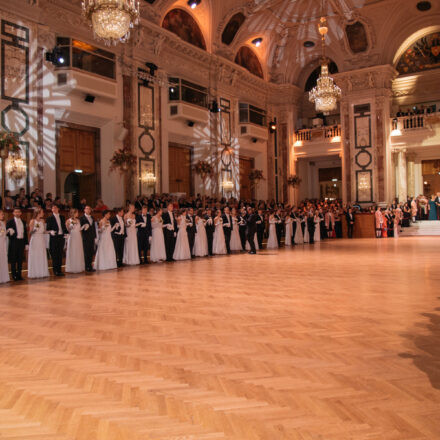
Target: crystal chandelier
228,186
148,178
16,167
326,93
112,20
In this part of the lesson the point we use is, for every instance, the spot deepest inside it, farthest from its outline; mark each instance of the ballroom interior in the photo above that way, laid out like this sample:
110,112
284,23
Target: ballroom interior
326,100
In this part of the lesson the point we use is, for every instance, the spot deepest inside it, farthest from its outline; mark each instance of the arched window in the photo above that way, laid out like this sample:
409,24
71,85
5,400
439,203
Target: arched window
424,54
232,28
246,58
311,81
181,23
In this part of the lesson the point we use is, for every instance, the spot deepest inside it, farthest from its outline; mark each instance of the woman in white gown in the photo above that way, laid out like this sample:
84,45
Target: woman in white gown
235,243
105,255
219,243
37,257
298,239
131,252
157,248
4,268
272,242
75,252
182,250
317,235
201,241
289,231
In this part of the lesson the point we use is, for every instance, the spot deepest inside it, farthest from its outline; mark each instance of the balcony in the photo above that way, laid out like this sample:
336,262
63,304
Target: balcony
326,134
409,124
319,141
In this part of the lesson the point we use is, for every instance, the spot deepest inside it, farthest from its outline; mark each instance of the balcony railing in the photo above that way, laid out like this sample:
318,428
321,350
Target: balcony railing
320,133
414,122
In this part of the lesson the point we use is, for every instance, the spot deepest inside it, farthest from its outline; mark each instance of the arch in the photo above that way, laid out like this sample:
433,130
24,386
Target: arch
246,58
313,77
232,28
182,24
419,52
357,37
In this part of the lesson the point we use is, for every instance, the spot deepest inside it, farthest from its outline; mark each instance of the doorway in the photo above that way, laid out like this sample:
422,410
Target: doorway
247,164
78,163
180,171
431,177
330,183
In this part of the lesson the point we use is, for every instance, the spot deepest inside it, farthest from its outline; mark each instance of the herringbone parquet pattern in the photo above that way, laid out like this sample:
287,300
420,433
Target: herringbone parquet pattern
333,342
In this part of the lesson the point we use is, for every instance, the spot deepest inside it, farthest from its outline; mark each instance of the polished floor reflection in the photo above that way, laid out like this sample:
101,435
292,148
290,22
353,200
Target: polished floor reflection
328,342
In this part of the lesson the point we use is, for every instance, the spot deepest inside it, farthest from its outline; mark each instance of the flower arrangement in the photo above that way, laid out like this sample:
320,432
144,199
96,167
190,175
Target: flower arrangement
122,160
255,176
294,180
9,143
203,168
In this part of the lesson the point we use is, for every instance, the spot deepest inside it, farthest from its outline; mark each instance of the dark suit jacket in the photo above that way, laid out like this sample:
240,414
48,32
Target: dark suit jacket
191,228
143,231
52,225
251,221
347,216
116,233
89,233
11,225
226,221
167,221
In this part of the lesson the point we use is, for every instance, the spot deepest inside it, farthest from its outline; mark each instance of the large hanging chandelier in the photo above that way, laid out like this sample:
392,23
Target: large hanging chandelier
326,93
112,20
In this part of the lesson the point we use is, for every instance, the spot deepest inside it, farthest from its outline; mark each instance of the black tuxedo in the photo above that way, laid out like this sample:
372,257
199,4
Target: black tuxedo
88,238
251,222
169,234
260,229
118,236
294,225
191,231
227,229
16,248
350,224
278,228
209,227
56,241
311,228
143,235
242,228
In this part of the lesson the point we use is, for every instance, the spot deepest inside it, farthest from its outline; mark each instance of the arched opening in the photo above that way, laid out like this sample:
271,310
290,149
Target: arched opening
182,24
246,58
313,77
424,54
232,28
72,188
357,37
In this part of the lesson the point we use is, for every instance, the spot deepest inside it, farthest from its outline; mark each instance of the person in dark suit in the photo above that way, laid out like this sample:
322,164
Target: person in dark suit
56,226
278,226
209,227
242,228
260,228
227,228
170,231
191,229
251,221
144,231
350,222
18,241
118,235
310,224
294,225
88,233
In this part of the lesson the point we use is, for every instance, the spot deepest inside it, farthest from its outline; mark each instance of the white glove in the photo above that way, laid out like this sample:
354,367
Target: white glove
175,235
170,227
26,248
11,231
86,227
144,225
53,233
66,235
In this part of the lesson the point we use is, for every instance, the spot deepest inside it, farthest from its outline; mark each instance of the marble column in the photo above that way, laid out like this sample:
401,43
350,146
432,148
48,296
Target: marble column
402,176
410,173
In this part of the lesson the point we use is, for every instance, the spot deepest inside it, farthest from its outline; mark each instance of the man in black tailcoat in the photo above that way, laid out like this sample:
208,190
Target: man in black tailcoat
242,228
227,228
118,235
18,241
191,229
144,231
88,233
251,221
310,225
56,226
209,227
169,231
260,228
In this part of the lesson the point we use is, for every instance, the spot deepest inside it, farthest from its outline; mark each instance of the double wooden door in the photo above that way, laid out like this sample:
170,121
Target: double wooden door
180,169
246,189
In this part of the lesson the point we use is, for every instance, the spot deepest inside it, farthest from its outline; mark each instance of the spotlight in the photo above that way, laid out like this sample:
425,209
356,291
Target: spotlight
214,108
190,123
55,57
89,98
273,127
257,42
194,3
152,68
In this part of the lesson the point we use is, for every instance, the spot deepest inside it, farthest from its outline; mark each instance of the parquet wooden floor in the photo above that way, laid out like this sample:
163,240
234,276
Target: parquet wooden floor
333,342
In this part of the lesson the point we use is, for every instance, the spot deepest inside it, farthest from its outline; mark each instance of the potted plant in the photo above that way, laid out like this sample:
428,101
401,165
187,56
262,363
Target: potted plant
122,160
204,169
255,176
294,180
9,143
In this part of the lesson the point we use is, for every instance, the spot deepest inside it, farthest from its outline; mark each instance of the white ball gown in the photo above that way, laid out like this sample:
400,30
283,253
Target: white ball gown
131,251
289,231
235,243
37,256
157,248
298,239
272,242
4,268
306,231
105,256
219,243
201,241
75,252
317,235
182,250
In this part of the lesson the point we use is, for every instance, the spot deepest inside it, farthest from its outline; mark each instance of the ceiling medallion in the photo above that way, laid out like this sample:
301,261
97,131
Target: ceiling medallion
111,20
326,94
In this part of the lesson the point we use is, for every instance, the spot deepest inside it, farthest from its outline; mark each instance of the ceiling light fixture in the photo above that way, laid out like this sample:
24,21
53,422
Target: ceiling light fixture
194,3
257,42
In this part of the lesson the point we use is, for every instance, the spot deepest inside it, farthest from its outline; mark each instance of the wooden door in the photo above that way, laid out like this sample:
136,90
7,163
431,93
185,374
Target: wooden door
246,166
180,169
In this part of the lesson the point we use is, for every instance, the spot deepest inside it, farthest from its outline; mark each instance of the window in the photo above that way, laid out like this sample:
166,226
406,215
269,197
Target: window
252,114
181,90
84,56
